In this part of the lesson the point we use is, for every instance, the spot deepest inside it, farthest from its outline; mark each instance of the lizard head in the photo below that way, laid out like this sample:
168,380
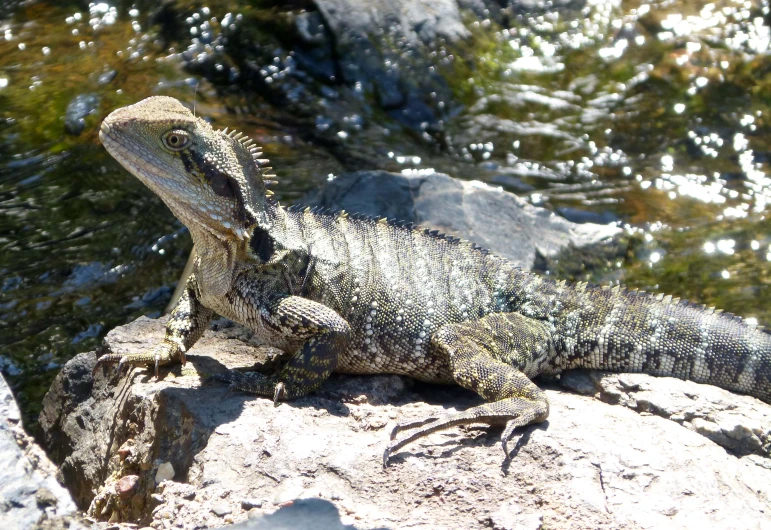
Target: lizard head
211,180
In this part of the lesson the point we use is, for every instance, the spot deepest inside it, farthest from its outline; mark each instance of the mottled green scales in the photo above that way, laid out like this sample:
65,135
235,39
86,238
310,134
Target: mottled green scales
363,296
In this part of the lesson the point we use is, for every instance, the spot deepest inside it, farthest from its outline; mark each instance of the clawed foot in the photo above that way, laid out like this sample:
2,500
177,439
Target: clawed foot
424,426
433,424
166,353
254,383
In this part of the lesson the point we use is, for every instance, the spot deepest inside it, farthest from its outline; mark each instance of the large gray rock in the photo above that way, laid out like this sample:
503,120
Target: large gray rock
486,215
415,20
30,496
181,451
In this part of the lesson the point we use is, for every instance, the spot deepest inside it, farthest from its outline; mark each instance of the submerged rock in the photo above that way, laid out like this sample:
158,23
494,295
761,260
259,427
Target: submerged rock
78,110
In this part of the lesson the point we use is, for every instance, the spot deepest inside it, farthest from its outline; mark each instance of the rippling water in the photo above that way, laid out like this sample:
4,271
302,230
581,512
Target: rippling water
651,115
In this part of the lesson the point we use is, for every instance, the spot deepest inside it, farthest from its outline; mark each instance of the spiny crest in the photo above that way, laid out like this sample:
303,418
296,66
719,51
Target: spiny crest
266,171
384,221
644,296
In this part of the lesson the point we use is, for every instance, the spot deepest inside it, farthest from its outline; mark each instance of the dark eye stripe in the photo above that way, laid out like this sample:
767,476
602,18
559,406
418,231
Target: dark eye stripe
221,183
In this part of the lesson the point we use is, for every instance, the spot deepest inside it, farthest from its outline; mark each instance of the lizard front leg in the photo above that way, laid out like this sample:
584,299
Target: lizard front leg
188,321
323,334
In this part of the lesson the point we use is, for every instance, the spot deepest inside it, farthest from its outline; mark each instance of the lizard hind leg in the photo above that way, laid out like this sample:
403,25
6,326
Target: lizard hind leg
492,357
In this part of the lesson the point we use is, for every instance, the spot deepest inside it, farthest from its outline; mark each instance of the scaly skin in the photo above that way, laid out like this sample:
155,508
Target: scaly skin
360,295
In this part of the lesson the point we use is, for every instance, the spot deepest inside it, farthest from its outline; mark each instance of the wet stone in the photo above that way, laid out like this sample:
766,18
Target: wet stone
513,183
78,110
576,215
106,77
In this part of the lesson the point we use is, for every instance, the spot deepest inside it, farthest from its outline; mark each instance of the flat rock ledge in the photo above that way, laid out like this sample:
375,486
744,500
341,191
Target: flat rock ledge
183,451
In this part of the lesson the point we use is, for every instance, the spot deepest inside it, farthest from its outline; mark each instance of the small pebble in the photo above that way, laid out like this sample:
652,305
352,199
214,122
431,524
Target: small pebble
127,486
248,504
221,509
126,449
165,472
44,497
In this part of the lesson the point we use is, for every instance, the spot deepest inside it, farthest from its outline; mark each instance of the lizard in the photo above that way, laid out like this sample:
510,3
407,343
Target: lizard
361,295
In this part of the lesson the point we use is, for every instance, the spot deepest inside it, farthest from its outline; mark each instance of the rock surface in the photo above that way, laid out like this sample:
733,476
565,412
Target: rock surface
370,38
30,496
486,215
415,20
593,465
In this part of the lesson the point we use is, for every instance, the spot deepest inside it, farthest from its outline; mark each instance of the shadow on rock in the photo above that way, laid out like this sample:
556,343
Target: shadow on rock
302,514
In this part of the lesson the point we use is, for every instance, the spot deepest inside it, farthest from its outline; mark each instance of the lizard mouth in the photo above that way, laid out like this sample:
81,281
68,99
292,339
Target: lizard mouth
107,137
120,147
104,132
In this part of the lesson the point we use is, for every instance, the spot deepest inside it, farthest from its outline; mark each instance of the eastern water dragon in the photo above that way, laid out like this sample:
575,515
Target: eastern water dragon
342,293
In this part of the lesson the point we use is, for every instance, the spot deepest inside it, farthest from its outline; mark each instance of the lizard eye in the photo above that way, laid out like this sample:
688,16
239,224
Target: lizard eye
176,140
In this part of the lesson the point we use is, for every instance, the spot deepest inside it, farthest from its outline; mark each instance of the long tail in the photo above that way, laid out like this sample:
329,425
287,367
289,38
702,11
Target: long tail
626,331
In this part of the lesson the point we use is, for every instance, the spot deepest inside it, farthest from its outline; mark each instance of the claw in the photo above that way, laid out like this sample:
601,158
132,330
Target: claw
278,393
96,367
182,354
508,432
393,432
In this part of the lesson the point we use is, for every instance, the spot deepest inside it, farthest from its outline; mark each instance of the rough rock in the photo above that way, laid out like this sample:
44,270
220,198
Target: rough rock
592,465
486,215
371,38
740,424
415,20
30,496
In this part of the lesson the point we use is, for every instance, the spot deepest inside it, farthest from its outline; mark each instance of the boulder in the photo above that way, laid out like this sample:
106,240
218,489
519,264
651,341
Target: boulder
414,20
181,450
486,215
30,496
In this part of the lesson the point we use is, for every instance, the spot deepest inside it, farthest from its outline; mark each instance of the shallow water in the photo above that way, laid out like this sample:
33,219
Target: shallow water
652,115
